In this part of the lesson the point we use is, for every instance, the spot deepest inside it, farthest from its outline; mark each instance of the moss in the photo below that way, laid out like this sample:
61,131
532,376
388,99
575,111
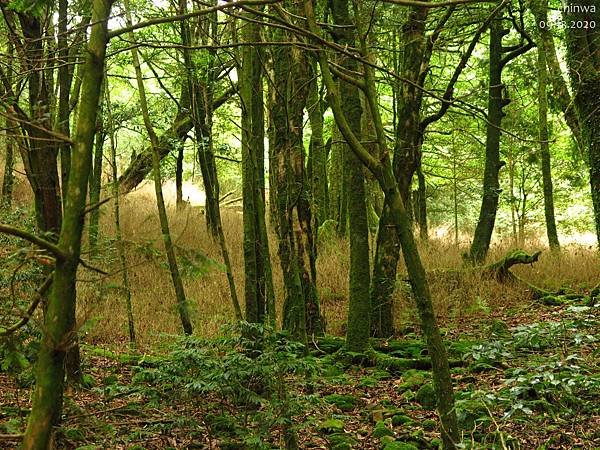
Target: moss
397,445
413,379
429,424
343,402
381,430
401,419
426,397
341,441
331,425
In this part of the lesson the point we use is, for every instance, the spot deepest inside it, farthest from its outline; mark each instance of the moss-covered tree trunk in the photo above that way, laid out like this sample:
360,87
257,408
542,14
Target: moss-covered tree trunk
583,58
337,188
317,166
59,321
96,186
407,157
301,312
359,305
560,92
141,164
258,293
9,164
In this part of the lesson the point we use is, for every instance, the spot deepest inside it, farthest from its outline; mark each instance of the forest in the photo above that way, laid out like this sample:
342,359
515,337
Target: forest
299,224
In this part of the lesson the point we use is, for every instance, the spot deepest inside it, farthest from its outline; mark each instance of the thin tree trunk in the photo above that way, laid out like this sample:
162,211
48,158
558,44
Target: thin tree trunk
96,187
9,164
117,213
258,295
182,303
179,177
545,149
317,151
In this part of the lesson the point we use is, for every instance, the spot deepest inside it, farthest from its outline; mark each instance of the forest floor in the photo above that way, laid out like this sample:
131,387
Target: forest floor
524,378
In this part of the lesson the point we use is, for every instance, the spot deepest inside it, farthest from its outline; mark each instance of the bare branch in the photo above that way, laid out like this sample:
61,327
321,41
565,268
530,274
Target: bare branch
42,243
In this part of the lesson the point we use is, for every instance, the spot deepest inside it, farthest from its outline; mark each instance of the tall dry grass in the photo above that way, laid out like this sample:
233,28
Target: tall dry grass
154,300
456,302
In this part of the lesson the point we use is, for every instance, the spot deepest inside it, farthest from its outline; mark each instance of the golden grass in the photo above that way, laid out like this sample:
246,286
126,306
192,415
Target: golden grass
153,296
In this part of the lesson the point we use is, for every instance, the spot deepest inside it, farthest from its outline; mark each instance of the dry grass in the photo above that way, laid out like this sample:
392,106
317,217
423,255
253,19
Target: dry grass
153,296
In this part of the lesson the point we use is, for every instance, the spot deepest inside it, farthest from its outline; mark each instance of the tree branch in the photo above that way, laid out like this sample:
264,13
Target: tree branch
39,294
42,243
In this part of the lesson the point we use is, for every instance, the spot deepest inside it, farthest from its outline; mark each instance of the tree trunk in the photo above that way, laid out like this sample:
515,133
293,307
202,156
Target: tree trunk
491,182
182,304
141,165
179,177
337,193
317,167
258,294
96,186
359,305
407,157
9,164
117,215
545,148
301,312
583,59
60,316
560,92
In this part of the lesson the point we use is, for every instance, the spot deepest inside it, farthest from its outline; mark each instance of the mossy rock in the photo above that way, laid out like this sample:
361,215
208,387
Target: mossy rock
553,300
398,445
413,379
331,425
401,419
343,402
381,430
426,397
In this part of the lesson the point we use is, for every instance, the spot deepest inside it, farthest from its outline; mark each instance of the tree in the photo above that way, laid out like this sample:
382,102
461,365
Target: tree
259,296
583,59
545,147
383,172
59,320
291,83
181,300
499,57
359,306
